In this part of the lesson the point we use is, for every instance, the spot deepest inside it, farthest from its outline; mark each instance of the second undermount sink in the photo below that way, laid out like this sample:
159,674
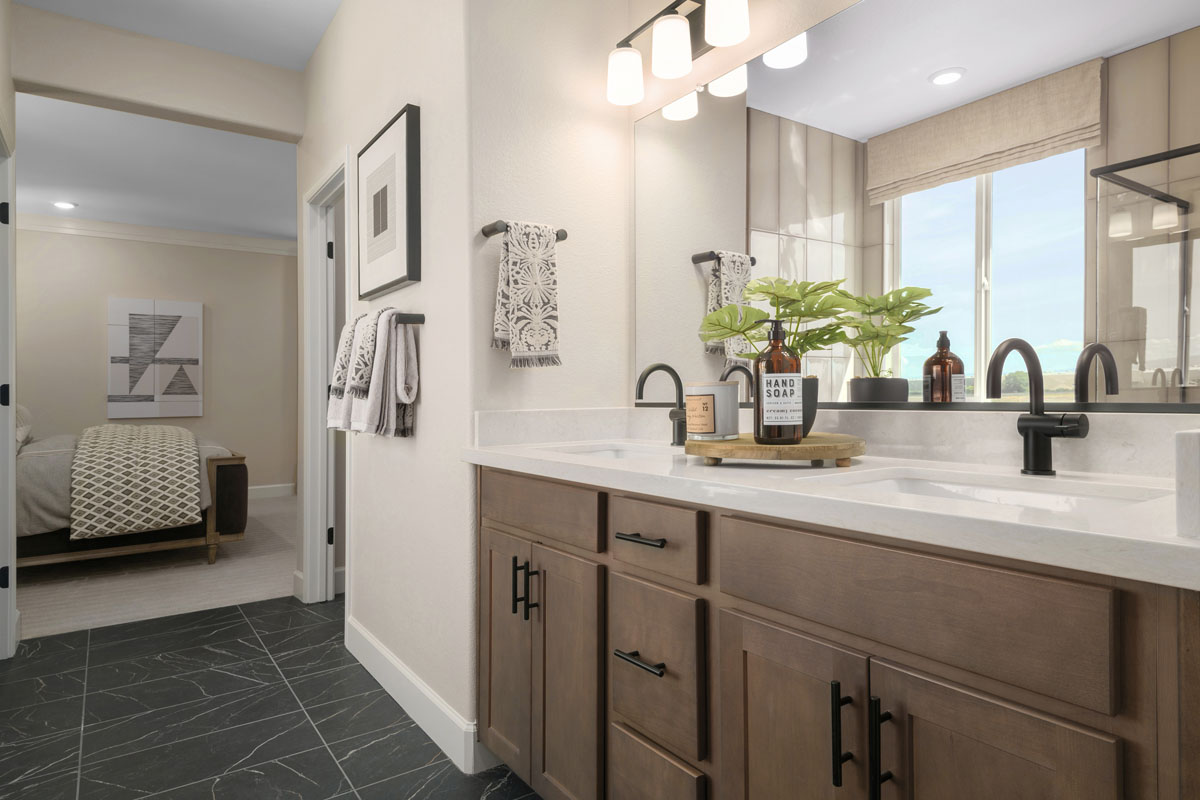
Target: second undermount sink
1062,495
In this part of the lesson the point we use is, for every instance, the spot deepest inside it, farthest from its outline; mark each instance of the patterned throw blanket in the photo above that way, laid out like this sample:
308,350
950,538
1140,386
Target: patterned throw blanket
134,478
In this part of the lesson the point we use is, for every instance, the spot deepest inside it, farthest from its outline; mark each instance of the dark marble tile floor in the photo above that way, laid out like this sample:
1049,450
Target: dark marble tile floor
256,702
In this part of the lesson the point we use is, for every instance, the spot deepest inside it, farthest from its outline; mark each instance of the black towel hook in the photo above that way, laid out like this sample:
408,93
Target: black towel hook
500,226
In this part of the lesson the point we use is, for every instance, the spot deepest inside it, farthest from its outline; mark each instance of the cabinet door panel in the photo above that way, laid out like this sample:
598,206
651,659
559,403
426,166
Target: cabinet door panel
504,653
947,742
568,625
776,713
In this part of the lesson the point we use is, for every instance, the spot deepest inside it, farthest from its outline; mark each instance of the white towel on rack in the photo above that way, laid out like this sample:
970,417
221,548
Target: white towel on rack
337,415
526,319
388,408
726,282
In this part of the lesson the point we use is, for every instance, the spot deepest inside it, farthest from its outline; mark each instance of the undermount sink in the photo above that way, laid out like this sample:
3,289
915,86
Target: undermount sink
1060,495
613,450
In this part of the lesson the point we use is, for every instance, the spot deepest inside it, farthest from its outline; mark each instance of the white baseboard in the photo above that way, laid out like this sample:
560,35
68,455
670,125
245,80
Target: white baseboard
447,728
339,580
271,490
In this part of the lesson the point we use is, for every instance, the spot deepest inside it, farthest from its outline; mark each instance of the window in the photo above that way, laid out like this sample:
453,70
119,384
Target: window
1004,256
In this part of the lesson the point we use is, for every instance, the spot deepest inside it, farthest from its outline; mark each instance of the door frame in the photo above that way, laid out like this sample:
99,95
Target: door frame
9,616
314,580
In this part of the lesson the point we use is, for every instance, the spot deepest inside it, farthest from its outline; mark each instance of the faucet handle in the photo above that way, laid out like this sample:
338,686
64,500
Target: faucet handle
677,414
1074,426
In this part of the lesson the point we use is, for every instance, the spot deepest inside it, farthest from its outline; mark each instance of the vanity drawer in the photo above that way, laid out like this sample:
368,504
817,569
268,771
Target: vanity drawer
666,539
638,770
1051,636
659,683
570,514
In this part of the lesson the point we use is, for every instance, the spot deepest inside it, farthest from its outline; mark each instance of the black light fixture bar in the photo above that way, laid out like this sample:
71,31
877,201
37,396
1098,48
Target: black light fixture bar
711,255
1108,173
648,24
500,226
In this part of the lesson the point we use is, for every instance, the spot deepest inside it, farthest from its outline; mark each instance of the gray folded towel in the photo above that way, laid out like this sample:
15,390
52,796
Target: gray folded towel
726,282
526,320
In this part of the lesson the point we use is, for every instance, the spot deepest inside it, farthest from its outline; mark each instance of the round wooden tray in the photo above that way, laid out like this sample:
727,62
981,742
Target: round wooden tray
815,448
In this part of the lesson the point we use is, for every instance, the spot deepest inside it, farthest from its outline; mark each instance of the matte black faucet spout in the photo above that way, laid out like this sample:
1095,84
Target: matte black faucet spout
732,368
677,415
1037,428
1092,351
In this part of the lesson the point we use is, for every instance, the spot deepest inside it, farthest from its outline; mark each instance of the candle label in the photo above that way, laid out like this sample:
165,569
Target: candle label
782,398
701,413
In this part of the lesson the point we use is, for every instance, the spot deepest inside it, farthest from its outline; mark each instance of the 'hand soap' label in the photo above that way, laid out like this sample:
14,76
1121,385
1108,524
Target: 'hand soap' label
782,399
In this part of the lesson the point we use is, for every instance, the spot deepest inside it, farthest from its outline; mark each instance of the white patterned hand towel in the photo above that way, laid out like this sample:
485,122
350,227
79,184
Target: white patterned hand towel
728,279
526,321
337,414
388,409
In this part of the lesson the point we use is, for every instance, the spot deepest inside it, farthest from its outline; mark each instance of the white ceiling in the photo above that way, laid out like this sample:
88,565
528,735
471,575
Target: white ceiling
279,32
139,170
868,68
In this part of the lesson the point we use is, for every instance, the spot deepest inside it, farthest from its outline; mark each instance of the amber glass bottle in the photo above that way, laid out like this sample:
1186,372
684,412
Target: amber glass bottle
779,401
944,378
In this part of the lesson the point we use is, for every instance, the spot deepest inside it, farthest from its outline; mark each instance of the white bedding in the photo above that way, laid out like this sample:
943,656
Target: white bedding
44,482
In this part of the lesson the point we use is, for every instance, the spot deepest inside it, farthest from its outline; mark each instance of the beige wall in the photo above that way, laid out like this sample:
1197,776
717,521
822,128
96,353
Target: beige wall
74,59
8,116
63,285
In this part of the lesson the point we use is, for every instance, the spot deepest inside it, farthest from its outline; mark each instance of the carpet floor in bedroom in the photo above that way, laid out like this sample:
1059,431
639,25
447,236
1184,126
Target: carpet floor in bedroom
60,598
259,701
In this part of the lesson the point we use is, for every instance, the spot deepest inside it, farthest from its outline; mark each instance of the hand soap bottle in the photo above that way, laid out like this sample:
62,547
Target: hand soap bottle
779,401
944,378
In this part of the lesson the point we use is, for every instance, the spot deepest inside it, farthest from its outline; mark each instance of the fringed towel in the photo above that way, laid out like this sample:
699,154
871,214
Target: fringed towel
728,279
526,321
385,356
338,414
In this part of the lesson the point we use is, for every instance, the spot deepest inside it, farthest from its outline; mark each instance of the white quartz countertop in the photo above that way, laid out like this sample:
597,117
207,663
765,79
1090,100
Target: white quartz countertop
1116,525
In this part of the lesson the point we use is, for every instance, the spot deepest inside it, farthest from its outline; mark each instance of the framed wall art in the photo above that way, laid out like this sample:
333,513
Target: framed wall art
389,207
155,358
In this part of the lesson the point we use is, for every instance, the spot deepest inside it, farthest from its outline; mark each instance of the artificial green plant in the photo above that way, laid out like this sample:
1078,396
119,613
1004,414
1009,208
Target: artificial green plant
799,304
883,323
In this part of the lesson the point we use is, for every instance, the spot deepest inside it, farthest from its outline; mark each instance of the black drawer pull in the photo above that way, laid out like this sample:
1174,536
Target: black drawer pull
836,701
875,720
637,538
658,670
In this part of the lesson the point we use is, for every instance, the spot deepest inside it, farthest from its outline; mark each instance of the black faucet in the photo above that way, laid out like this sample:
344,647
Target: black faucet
1037,427
1092,351
677,415
732,368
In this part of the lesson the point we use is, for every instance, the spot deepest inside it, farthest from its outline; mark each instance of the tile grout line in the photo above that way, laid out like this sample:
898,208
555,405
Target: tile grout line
307,716
87,657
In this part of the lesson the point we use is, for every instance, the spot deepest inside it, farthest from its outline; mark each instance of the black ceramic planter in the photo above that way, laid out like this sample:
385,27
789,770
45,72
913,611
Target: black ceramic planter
878,390
808,389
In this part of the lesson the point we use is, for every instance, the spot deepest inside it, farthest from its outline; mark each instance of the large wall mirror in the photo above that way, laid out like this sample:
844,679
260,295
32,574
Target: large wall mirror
1036,165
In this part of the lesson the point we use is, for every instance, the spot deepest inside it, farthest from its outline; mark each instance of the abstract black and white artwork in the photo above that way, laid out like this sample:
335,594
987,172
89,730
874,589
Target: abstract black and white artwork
389,207
155,358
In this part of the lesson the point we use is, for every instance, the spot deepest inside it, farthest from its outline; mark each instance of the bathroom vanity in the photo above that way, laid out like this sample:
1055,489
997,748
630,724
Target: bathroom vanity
651,628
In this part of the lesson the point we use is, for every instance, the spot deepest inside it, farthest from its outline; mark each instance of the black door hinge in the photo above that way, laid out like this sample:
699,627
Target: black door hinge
3,213
3,577
3,394
329,536
329,250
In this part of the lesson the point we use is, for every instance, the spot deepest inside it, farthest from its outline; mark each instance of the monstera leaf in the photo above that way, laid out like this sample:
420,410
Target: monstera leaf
731,320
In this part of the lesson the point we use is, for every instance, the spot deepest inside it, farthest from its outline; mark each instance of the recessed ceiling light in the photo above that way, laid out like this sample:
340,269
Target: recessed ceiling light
65,206
945,77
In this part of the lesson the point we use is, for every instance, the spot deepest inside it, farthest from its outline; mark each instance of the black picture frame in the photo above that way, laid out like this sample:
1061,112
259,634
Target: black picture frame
411,116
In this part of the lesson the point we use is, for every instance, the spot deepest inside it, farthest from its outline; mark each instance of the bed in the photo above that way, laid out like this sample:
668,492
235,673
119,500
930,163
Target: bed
44,481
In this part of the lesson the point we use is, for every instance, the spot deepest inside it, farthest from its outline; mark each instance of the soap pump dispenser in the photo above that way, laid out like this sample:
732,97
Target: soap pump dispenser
943,376
779,401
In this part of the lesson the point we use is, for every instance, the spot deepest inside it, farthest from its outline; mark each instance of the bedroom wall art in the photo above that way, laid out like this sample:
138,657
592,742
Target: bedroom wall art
155,358
389,207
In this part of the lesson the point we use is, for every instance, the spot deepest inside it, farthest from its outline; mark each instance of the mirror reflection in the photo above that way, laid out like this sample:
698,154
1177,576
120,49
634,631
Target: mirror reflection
1039,182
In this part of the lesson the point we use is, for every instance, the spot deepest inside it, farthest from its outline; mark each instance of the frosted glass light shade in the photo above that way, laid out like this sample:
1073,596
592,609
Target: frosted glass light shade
625,77
685,107
731,84
1120,225
671,47
1164,217
791,53
726,22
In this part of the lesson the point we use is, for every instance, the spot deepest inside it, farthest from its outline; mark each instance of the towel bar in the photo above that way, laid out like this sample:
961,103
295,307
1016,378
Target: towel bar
711,255
500,226
409,319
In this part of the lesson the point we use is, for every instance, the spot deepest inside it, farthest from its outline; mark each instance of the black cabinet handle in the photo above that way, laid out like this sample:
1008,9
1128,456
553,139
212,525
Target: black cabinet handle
875,720
524,596
658,670
836,701
637,538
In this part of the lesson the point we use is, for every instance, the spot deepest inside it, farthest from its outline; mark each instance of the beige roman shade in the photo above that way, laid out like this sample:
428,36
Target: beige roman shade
1050,115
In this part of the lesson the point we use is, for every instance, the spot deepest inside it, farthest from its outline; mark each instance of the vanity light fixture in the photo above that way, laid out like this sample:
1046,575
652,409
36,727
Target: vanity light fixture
1120,225
1164,217
791,53
945,77
65,206
731,84
671,46
625,86
726,22
685,107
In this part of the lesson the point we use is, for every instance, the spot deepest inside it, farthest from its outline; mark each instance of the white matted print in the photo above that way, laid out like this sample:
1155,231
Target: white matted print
155,358
389,213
